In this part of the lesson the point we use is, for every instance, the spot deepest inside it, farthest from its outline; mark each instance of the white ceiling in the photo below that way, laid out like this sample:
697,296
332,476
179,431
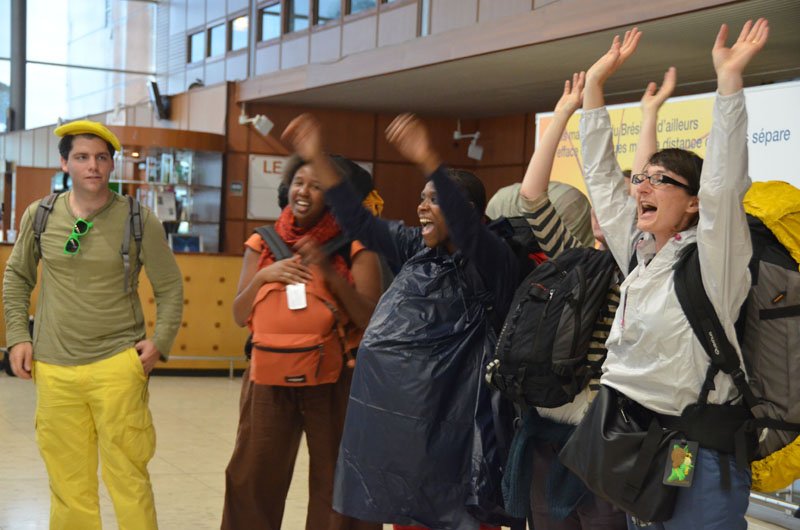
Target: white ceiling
531,78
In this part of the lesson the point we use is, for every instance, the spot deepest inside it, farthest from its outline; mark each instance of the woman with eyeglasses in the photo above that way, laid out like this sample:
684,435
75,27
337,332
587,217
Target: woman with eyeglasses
654,358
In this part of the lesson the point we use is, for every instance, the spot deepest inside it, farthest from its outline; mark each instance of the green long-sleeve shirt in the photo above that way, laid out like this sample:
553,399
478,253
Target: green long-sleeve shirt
83,313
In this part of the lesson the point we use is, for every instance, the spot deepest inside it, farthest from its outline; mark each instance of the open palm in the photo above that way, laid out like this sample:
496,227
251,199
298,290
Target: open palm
751,39
571,99
619,52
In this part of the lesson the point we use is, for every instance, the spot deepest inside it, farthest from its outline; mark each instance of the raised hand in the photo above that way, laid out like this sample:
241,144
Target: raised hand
609,63
572,97
305,135
652,99
730,63
409,135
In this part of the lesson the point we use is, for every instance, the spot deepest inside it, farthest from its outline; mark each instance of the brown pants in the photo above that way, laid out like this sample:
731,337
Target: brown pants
596,514
271,422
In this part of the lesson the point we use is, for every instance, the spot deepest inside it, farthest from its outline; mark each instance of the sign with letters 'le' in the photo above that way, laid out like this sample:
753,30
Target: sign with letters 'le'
262,186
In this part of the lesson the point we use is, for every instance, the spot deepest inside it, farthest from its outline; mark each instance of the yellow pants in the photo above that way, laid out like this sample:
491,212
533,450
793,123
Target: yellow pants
80,409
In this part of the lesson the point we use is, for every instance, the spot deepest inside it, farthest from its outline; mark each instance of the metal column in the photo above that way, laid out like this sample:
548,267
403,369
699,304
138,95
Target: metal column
19,28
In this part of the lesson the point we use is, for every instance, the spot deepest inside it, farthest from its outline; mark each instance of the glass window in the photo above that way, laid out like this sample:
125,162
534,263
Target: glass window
328,11
356,6
197,46
239,28
298,15
58,91
271,22
216,41
5,82
5,30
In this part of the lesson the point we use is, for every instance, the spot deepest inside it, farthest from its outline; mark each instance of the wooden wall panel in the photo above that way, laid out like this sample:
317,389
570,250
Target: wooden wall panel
530,135
32,183
400,186
236,133
347,133
494,178
441,134
503,140
234,237
236,169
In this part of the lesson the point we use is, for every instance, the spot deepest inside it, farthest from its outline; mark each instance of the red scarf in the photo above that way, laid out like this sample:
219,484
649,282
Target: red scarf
323,231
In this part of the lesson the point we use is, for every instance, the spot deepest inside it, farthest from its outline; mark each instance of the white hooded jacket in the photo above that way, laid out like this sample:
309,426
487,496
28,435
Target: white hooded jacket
654,357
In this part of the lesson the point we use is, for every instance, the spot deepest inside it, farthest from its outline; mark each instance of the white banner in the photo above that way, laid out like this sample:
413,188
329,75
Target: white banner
262,186
773,132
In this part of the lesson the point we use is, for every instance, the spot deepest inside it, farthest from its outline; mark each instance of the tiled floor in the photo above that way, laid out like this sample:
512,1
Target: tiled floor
196,424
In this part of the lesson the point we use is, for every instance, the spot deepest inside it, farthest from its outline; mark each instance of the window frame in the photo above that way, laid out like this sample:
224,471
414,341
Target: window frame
282,24
224,25
189,47
287,6
343,4
229,36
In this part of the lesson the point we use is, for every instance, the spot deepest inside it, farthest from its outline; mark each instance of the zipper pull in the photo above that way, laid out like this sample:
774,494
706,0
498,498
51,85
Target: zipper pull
779,297
624,416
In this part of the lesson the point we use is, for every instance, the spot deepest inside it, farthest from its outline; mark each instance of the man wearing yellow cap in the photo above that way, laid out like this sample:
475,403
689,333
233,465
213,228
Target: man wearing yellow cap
89,356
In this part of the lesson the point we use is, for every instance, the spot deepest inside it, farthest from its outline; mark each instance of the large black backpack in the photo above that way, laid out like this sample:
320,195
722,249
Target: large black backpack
541,356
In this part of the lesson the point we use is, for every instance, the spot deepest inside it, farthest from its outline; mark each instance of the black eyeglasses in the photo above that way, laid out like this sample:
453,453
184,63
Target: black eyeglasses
659,179
79,229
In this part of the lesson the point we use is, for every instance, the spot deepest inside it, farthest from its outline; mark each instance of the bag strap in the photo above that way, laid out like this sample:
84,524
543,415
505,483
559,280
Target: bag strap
707,327
339,245
274,242
634,481
40,219
133,227
281,251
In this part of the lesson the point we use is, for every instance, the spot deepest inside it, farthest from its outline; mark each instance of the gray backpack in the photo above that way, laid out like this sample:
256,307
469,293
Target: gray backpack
133,228
768,330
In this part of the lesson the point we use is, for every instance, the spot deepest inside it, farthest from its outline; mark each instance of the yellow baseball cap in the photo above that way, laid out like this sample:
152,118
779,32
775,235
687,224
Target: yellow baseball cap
88,127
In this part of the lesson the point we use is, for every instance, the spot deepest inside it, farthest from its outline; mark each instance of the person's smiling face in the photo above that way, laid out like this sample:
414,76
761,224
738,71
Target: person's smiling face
434,226
306,197
665,209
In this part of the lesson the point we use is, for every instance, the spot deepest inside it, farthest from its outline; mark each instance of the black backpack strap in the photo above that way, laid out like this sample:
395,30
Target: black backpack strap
133,228
40,219
338,245
341,245
276,245
707,327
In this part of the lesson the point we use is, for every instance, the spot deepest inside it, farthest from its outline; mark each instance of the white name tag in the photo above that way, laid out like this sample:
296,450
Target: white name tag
296,296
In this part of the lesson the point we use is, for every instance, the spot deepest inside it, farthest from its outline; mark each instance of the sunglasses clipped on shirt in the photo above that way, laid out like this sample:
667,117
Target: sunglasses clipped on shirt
658,179
79,229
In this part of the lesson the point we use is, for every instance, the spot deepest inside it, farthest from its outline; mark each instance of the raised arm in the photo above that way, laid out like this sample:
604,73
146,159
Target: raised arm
537,176
468,233
651,103
609,63
614,208
389,238
723,244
